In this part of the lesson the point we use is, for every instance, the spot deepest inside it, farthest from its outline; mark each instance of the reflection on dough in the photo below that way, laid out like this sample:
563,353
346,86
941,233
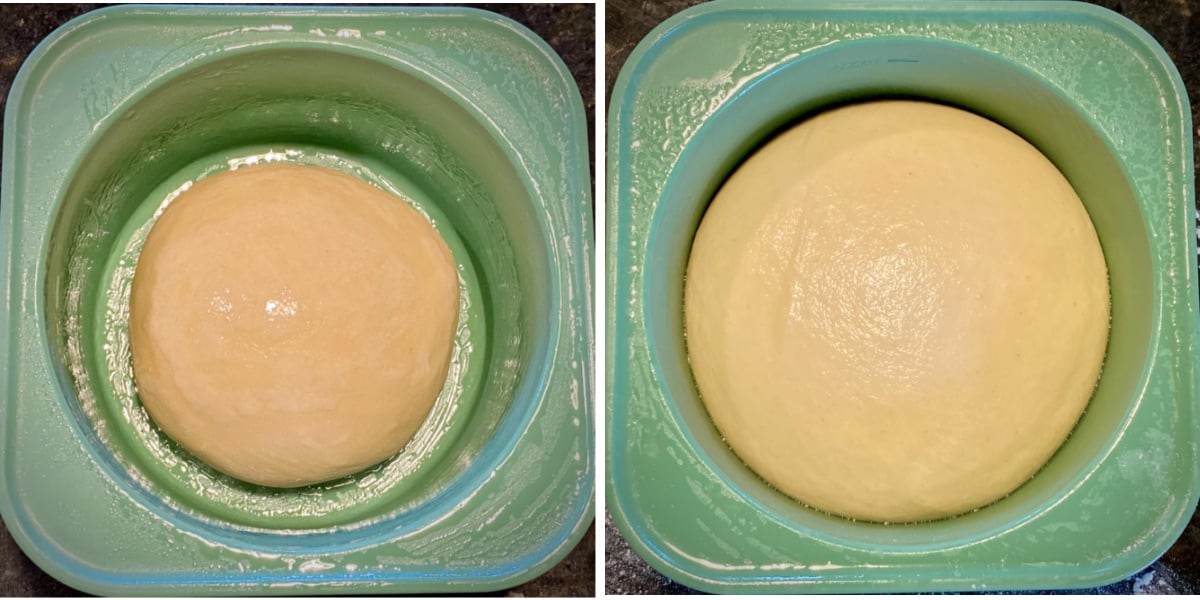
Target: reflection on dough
291,324
896,311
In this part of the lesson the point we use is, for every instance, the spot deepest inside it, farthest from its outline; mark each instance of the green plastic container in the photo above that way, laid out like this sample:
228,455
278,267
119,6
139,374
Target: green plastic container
466,115
1090,89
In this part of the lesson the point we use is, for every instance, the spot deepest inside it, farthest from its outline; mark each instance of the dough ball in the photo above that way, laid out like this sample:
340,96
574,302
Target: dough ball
291,324
896,311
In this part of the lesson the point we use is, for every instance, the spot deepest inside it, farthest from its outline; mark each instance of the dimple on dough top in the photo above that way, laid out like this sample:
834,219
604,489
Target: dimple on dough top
896,311
291,324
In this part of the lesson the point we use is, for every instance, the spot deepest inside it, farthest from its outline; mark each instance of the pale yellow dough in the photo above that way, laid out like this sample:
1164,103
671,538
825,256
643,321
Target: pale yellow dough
291,324
896,311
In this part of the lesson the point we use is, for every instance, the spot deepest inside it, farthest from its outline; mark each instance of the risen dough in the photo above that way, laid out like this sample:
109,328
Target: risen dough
291,324
896,311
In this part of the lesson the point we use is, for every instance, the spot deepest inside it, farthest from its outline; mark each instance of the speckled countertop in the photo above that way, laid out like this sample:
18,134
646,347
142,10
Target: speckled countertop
1176,25
568,28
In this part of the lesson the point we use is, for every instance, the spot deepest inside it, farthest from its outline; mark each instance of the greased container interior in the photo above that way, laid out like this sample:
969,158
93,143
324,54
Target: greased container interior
940,72
786,63
325,107
385,95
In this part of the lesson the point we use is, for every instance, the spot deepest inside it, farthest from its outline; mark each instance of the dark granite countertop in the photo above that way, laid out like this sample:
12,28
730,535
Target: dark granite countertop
1176,25
570,31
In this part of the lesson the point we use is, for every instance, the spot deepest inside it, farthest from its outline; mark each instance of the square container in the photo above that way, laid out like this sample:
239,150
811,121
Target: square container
1087,87
466,115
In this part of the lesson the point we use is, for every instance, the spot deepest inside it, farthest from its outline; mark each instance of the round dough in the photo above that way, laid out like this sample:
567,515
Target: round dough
291,324
896,311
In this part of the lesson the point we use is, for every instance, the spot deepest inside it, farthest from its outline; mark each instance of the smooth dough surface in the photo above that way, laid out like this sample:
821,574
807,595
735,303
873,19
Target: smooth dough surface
896,311
291,324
